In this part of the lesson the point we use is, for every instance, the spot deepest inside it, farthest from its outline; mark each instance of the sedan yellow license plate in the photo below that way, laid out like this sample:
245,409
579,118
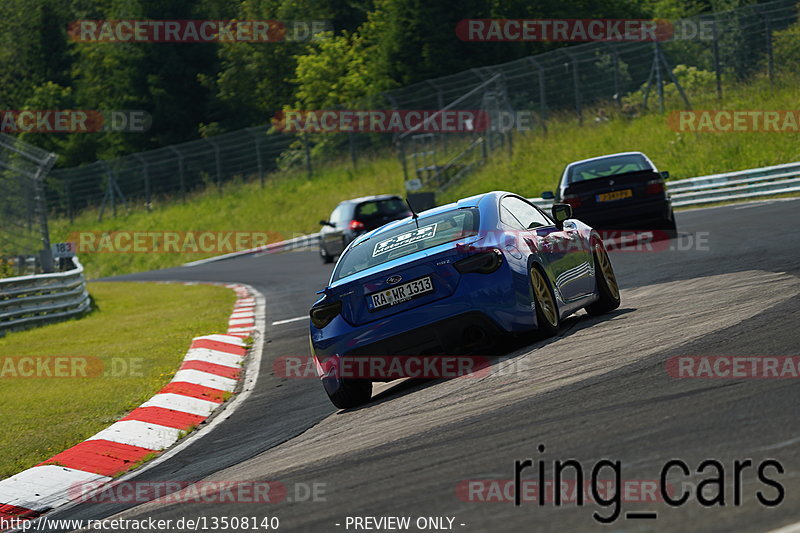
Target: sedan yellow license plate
616,195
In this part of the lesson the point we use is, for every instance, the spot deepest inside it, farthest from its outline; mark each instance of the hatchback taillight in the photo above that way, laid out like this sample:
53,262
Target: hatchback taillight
356,225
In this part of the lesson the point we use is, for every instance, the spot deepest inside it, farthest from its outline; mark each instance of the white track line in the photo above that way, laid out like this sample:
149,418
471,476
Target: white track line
295,319
790,528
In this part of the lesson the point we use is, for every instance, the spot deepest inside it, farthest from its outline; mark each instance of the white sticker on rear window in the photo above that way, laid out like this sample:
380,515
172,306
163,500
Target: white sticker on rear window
404,239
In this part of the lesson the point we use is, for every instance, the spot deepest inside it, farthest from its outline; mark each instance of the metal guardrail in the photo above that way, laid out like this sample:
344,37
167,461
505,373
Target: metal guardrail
27,301
742,184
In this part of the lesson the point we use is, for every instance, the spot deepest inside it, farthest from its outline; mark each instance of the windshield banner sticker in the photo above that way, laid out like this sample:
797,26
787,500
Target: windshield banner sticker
404,239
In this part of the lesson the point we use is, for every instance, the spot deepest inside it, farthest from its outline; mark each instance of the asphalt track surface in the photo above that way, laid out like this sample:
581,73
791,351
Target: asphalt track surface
597,390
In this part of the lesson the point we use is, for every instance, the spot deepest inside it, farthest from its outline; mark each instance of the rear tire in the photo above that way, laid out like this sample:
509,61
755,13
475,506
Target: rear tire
325,257
547,319
607,285
670,227
352,393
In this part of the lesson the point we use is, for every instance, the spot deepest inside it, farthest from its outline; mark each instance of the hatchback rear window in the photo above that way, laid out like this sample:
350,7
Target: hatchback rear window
433,230
380,208
609,166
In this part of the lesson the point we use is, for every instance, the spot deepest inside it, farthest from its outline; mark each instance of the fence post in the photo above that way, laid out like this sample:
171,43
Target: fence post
217,162
147,199
770,58
659,79
69,201
257,140
307,148
717,66
180,173
617,95
41,206
542,93
576,88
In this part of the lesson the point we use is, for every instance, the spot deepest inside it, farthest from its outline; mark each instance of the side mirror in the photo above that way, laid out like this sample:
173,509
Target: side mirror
548,195
561,212
664,174
326,223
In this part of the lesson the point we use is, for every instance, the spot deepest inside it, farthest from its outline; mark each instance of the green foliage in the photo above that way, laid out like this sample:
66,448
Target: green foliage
694,81
786,49
201,90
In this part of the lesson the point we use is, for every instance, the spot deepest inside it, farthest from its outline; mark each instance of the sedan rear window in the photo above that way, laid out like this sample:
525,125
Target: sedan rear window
433,230
380,208
608,166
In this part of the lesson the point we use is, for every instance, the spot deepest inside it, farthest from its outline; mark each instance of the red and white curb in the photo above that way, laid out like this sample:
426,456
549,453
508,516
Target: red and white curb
208,375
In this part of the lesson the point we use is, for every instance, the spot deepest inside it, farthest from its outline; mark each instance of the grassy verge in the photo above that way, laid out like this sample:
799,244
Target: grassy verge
292,204
132,344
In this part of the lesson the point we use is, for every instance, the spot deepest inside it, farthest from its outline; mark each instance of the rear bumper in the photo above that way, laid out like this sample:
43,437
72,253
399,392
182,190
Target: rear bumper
491,303
641,215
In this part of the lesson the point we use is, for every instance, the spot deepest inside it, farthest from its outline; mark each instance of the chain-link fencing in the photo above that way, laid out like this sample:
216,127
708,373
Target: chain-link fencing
24,237
584,81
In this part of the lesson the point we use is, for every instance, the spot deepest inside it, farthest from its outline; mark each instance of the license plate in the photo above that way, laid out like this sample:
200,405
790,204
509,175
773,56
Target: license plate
616,195
401,293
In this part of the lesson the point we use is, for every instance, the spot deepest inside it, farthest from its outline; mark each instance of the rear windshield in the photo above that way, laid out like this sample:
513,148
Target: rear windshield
401,241
610,166
380,208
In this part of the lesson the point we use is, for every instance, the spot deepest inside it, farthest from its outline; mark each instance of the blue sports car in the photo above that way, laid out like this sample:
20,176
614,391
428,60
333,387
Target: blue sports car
449,278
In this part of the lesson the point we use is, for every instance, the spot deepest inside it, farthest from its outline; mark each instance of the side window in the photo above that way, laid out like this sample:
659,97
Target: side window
337,215
529,216
508,218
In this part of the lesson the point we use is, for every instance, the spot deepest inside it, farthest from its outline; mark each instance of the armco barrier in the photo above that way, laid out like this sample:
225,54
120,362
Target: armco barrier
27,301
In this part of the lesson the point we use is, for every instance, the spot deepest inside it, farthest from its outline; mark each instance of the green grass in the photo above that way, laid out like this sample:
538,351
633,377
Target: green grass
143,324
538,160
291,204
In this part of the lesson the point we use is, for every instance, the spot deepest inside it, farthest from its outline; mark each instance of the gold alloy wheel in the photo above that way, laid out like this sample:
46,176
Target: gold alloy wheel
606,270
544,297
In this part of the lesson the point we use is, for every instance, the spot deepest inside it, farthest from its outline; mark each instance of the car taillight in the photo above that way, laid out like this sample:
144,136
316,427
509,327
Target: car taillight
356,225
322,314
573,200
481,263
654,187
